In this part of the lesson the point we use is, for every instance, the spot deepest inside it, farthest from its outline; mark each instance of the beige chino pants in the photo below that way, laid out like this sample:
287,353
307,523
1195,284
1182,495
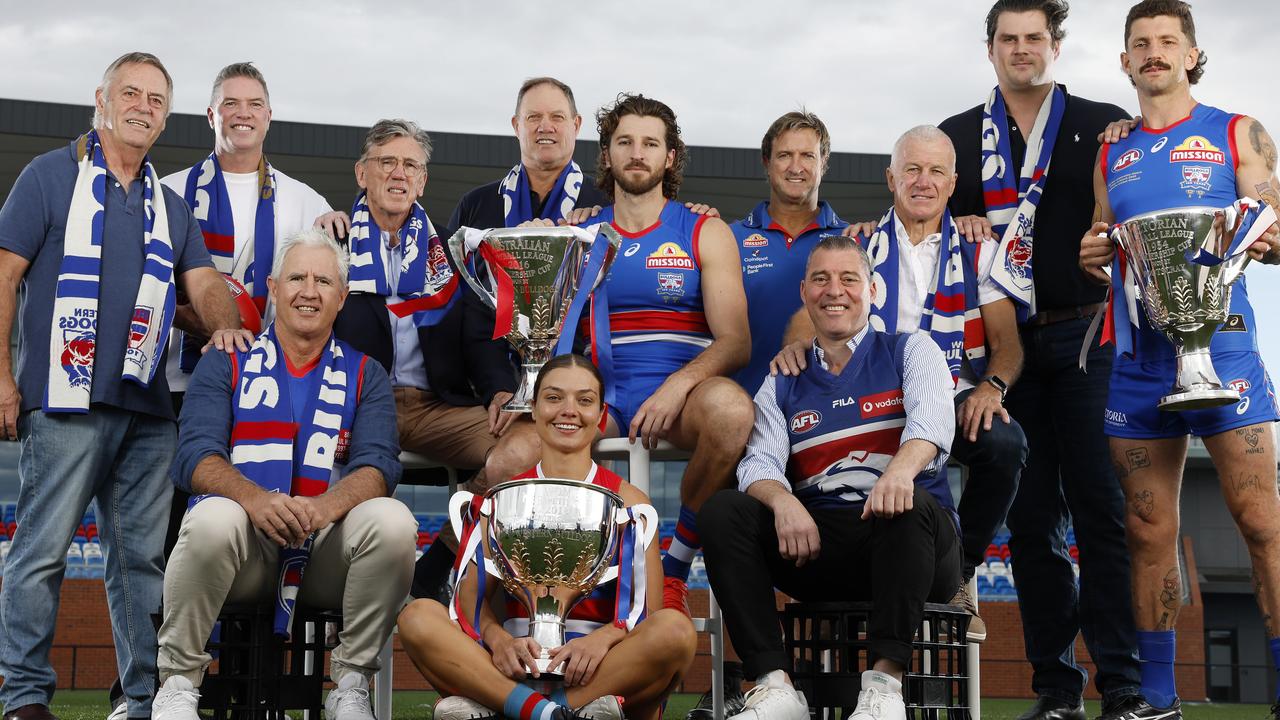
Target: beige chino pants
362,564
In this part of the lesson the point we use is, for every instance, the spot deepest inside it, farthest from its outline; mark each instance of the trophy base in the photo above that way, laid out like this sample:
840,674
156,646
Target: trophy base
1198,399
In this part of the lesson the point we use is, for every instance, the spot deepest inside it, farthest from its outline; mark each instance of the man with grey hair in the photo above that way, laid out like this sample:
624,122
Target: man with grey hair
935,281
279,484
99,249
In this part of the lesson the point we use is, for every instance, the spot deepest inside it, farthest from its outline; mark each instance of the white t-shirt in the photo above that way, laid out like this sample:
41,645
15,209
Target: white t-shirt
297,207
917,269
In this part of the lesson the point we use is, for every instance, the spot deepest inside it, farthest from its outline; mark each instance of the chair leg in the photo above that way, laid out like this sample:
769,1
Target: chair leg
383,682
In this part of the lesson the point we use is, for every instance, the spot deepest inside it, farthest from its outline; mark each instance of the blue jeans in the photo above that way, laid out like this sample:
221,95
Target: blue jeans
121,461
995,460
1069,478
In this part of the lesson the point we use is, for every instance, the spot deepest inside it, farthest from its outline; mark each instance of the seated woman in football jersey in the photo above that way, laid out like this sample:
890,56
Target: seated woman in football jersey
604,663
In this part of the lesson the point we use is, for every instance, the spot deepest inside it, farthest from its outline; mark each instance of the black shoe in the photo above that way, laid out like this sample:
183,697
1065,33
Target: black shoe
1275,711
431,574
1135,707
1047,708
733,697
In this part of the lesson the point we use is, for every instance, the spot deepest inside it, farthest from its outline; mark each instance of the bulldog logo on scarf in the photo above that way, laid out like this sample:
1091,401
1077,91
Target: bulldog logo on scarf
77,357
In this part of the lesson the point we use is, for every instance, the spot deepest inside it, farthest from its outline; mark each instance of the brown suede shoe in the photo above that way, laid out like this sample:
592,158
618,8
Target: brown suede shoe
30,712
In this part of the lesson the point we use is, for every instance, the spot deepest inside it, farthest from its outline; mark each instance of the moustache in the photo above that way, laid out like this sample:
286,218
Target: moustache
1156,64
636,166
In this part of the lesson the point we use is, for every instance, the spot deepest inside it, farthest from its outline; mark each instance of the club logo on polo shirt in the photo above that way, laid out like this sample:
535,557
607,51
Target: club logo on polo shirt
1127,159
755,240
804,421
1197,148
669,256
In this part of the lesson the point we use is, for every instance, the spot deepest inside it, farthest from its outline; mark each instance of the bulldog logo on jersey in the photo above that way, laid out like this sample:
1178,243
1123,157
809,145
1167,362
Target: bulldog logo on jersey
669,256
755,240
671,284
1196,180
1197,148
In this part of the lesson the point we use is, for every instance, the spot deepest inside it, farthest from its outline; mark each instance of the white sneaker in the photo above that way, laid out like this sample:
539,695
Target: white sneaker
605,707
880,699
120,711
766,702
177,699
456,707
348,701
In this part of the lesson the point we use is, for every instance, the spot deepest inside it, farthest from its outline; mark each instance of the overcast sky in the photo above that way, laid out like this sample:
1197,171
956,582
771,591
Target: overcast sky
870,69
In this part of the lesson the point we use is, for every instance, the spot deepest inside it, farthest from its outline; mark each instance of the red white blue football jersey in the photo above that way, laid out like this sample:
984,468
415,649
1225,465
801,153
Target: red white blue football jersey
1191,163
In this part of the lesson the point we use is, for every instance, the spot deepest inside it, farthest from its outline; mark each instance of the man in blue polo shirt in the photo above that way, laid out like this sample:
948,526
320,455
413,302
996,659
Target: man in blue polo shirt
775,239
100,250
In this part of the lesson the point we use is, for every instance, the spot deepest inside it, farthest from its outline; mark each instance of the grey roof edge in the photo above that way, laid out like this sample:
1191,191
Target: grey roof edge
48,119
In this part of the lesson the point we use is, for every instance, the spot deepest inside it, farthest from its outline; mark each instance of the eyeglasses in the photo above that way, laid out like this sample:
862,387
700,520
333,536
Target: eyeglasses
388,163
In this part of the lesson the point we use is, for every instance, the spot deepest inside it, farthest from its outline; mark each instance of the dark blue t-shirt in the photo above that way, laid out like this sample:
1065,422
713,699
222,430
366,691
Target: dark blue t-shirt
33,222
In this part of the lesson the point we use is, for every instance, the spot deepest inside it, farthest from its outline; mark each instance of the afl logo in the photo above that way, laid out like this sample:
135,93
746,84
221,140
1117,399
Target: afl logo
1127,159
804,421
1240,385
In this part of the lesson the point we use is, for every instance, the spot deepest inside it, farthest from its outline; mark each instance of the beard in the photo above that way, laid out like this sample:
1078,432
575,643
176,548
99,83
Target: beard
639,186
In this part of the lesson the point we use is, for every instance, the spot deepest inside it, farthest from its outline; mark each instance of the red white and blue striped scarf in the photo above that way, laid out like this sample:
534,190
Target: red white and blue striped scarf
206,194
280,453
427,283
1011,200
951,314
74,335
517,207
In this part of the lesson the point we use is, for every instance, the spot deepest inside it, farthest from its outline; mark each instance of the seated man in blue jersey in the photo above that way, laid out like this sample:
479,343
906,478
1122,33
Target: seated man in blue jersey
676,324
842,493
1181,155
933,280
291,451
776,237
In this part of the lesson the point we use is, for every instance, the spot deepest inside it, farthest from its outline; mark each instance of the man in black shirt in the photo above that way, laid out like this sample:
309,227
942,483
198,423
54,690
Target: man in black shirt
1060,407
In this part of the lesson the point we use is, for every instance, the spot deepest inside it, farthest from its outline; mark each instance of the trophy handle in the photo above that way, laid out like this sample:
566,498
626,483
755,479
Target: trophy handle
458,249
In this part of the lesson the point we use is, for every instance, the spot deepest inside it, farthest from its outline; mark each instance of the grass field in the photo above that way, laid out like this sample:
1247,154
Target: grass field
92,705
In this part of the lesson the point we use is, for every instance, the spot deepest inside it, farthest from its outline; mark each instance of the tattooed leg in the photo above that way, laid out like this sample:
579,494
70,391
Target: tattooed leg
1150,473
1246,462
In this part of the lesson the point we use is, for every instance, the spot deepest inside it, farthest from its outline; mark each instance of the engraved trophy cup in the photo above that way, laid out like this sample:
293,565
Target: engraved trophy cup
551,542
1183,263
537,280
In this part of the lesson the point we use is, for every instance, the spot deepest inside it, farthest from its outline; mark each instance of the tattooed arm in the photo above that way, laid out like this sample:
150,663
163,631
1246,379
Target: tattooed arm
1256,178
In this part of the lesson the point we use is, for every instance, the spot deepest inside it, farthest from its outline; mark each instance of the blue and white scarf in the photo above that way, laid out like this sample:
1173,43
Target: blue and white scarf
206,194
73,338
1011,201
517,207
280,453
427,283
951,314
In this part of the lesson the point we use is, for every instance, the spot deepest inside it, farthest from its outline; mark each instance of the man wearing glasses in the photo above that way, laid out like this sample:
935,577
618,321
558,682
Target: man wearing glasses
407,310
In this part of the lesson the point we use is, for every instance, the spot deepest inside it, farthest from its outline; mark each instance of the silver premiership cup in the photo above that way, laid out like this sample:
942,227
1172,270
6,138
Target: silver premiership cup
553,541
546,267
1185,300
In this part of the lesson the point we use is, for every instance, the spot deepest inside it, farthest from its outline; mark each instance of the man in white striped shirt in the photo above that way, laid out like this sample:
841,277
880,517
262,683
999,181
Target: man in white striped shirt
841,494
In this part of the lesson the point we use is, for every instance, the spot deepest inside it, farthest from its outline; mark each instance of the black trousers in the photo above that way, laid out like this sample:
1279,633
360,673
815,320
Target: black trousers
897,563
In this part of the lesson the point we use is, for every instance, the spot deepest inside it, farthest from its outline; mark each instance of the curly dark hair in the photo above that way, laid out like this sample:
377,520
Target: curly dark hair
607,119
1055,14
1175,9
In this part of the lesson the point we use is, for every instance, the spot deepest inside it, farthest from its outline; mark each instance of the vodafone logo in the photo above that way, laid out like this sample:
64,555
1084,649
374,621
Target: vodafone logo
1127,159
885,403
1240,385
804,421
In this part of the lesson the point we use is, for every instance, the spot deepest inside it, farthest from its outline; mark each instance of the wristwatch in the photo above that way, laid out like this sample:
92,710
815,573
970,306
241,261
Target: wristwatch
997,383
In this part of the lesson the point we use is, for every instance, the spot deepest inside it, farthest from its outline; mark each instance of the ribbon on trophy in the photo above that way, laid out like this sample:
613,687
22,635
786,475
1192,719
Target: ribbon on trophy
470,546
629,609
